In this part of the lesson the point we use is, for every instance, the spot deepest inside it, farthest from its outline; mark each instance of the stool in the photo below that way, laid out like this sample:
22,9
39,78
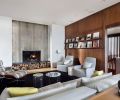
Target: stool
38,78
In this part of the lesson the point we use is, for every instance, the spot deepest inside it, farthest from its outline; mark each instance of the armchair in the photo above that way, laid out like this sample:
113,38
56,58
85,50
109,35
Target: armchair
63,66
87,69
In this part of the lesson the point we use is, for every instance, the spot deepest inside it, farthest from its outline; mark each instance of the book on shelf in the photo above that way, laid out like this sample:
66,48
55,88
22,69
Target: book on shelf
82,45
89,44
89,36
96,43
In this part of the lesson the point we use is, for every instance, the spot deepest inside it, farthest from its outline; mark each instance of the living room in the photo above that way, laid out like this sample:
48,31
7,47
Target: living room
59,49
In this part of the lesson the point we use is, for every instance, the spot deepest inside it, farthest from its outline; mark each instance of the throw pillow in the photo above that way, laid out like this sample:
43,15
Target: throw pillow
67,62
98,73
21,91
87,65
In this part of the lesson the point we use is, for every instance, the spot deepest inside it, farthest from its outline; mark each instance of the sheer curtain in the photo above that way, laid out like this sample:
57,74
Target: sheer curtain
113,46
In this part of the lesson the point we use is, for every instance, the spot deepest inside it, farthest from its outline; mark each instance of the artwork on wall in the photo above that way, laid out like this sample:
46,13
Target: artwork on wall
96,35
91,40
89,36
69,40
82,45
77,39
73,39
96,43
66,41
89,44
82,38
70,45
75,45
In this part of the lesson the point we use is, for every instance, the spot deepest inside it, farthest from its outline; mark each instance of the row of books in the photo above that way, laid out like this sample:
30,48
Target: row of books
89,44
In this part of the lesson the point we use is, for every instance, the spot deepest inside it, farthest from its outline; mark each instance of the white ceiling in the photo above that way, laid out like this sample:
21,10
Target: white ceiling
61,12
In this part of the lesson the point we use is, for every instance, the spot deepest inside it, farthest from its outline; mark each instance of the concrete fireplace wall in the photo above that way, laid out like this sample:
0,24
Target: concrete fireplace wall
29,36
6,41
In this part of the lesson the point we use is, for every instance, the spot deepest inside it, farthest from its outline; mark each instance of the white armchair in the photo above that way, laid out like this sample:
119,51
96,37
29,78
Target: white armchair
87,69
63,66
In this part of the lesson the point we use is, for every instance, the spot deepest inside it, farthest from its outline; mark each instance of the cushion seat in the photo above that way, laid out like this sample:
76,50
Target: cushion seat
74,94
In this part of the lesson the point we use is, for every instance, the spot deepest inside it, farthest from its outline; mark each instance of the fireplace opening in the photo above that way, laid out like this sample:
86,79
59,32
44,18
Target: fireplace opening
31,56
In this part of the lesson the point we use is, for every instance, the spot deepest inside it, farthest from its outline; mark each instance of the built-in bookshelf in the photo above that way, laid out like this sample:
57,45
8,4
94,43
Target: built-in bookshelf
85,41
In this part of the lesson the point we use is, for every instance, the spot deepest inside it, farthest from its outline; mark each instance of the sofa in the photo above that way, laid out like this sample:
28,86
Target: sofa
78,89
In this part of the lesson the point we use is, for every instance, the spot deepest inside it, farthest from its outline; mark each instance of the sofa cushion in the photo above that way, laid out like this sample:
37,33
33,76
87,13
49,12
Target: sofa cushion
87,65
78,82
105,83
67,61
86,80
98,73
44,94
49,87
73,94
112,80
98,85
20,91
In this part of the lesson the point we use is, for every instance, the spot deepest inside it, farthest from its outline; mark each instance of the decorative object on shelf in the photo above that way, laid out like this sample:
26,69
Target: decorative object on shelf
73,39
95,43
96,35
67,45
85,41
75,45
89,36
82,37
89,44
82,45
69,40
66,41
70,45
77,39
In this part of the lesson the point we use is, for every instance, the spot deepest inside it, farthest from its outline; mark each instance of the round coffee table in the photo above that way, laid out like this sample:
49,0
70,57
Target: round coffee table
38,78
53,76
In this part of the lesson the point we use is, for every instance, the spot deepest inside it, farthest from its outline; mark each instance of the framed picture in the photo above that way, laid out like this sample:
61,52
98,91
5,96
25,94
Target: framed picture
96,35
89,44
96,43
73,39
82,38
66,45
77,39
75,45
70,40
66,41
82,45
89,36
70,45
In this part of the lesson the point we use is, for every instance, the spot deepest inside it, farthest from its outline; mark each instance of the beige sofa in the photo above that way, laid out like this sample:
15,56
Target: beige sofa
78,89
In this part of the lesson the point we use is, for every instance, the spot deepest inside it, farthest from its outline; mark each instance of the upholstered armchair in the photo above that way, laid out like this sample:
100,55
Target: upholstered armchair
85,70
63,66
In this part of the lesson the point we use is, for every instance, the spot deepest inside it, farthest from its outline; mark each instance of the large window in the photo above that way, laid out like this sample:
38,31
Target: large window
113,45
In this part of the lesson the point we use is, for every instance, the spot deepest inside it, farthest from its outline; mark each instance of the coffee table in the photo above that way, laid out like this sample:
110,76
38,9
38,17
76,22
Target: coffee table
53,75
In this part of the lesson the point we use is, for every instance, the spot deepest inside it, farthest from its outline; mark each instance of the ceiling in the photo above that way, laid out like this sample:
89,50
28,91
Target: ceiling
62,12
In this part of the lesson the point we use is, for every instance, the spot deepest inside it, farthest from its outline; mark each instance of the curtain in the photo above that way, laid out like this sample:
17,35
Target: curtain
113,46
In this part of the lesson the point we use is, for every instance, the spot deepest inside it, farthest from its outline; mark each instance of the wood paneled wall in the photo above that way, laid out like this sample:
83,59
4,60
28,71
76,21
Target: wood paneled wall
96,22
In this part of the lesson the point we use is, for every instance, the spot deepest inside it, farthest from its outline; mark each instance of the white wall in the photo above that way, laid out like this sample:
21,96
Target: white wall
6,40
57,37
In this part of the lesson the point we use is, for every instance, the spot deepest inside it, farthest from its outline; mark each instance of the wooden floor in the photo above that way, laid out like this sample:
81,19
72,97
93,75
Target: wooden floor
41,70
109,94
